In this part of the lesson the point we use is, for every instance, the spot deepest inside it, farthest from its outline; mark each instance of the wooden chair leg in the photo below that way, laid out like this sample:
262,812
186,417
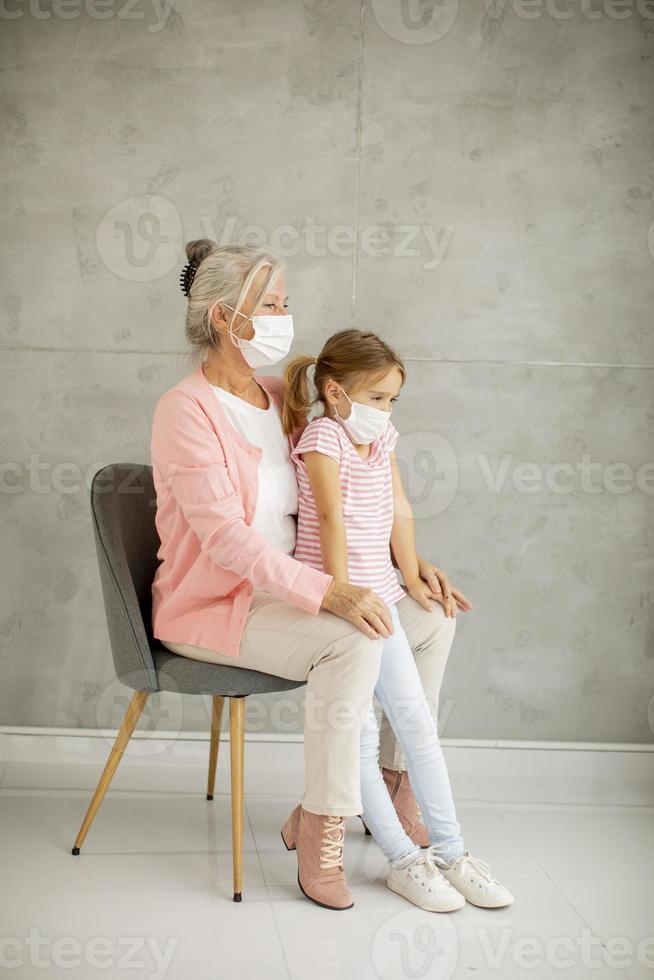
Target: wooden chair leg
132,716
236,744
216,719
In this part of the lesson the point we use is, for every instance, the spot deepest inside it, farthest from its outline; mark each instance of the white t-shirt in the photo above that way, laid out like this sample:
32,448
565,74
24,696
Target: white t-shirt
277,496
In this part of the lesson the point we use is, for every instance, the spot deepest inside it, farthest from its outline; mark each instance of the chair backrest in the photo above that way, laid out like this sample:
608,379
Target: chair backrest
123,504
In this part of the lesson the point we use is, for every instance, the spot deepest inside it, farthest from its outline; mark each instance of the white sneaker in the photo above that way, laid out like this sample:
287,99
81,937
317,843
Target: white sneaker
422,883
473,879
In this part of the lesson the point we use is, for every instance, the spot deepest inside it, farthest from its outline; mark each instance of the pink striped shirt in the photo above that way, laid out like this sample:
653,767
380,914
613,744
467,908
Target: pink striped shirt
367,494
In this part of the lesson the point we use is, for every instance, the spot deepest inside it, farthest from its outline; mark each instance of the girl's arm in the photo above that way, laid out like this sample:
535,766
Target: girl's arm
403,539
403,549
324,477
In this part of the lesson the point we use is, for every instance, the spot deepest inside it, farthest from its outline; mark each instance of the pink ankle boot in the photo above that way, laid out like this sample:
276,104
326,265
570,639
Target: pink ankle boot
406,806
318,839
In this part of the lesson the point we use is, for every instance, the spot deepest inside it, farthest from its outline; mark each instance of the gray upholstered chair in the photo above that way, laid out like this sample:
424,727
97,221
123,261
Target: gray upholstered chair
123,503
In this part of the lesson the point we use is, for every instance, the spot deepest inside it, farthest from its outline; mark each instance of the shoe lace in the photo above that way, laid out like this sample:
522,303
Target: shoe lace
468,860
482,869
429,863
331,850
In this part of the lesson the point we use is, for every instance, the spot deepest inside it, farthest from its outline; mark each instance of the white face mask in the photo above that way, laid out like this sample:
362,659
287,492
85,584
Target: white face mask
272,339
365,423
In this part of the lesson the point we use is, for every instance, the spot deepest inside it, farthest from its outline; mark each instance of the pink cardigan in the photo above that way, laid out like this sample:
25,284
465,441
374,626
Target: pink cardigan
205,475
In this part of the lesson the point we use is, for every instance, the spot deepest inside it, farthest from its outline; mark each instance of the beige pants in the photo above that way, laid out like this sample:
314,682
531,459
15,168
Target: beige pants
340,665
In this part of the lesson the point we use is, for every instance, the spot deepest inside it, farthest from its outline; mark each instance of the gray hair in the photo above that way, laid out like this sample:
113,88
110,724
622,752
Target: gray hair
224,275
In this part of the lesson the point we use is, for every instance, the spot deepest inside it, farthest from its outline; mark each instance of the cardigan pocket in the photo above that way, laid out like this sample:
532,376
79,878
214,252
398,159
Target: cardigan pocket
201,484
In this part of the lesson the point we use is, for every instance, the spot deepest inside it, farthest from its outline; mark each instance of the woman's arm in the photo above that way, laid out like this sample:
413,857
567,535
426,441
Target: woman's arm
324,478
190,459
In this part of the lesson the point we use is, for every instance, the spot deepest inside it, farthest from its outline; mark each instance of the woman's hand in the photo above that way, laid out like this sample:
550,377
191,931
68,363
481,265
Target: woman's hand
360,606
438,584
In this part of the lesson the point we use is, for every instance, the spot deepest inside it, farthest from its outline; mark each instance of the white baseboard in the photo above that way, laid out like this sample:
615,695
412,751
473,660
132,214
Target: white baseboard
482,743
50,760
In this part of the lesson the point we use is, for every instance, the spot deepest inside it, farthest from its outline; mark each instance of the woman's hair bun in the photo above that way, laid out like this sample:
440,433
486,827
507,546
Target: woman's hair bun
199,249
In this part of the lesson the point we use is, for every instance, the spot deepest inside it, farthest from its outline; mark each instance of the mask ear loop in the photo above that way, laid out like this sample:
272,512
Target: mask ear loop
229,332
236,340
338,415
348,398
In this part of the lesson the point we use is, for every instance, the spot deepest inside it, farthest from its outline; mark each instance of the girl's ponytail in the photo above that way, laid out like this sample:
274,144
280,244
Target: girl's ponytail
297,397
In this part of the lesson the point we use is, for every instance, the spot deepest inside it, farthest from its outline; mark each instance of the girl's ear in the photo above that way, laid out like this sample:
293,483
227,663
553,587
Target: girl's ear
331,391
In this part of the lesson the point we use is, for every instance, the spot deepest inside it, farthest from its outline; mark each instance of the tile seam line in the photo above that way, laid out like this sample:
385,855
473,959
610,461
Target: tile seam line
266,885
45,731
357,173
407,358
469,802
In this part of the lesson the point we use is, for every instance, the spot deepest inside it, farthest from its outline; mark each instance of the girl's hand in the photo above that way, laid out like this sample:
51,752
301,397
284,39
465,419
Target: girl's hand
438,583
420,591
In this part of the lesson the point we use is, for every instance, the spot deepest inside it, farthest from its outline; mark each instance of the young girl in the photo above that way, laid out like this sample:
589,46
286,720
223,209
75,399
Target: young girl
352,509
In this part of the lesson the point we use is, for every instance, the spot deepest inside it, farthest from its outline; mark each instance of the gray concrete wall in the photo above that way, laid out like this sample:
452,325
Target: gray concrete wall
473,182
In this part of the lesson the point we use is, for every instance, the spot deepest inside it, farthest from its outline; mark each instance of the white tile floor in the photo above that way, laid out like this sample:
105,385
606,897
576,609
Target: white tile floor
150,895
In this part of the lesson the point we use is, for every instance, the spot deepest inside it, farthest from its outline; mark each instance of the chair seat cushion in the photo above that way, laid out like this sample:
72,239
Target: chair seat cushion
187,676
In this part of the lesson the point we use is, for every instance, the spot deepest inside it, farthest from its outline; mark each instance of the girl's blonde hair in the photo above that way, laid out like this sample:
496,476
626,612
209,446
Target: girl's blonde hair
348,357
224,275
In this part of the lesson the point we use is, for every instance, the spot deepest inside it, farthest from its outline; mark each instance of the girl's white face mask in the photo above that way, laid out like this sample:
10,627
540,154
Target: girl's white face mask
273,336
365,423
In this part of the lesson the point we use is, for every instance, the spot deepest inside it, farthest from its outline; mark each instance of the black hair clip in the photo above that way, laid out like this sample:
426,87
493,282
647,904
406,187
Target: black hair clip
187,276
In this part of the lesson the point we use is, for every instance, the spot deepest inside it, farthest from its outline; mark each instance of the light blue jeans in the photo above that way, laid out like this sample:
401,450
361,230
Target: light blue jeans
400,693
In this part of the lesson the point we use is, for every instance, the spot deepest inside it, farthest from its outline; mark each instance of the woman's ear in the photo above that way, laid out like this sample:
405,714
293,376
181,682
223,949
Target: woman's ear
220,314
219,318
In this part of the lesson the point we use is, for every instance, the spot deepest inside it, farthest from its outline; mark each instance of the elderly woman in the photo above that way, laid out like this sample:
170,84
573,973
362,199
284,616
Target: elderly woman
228,589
